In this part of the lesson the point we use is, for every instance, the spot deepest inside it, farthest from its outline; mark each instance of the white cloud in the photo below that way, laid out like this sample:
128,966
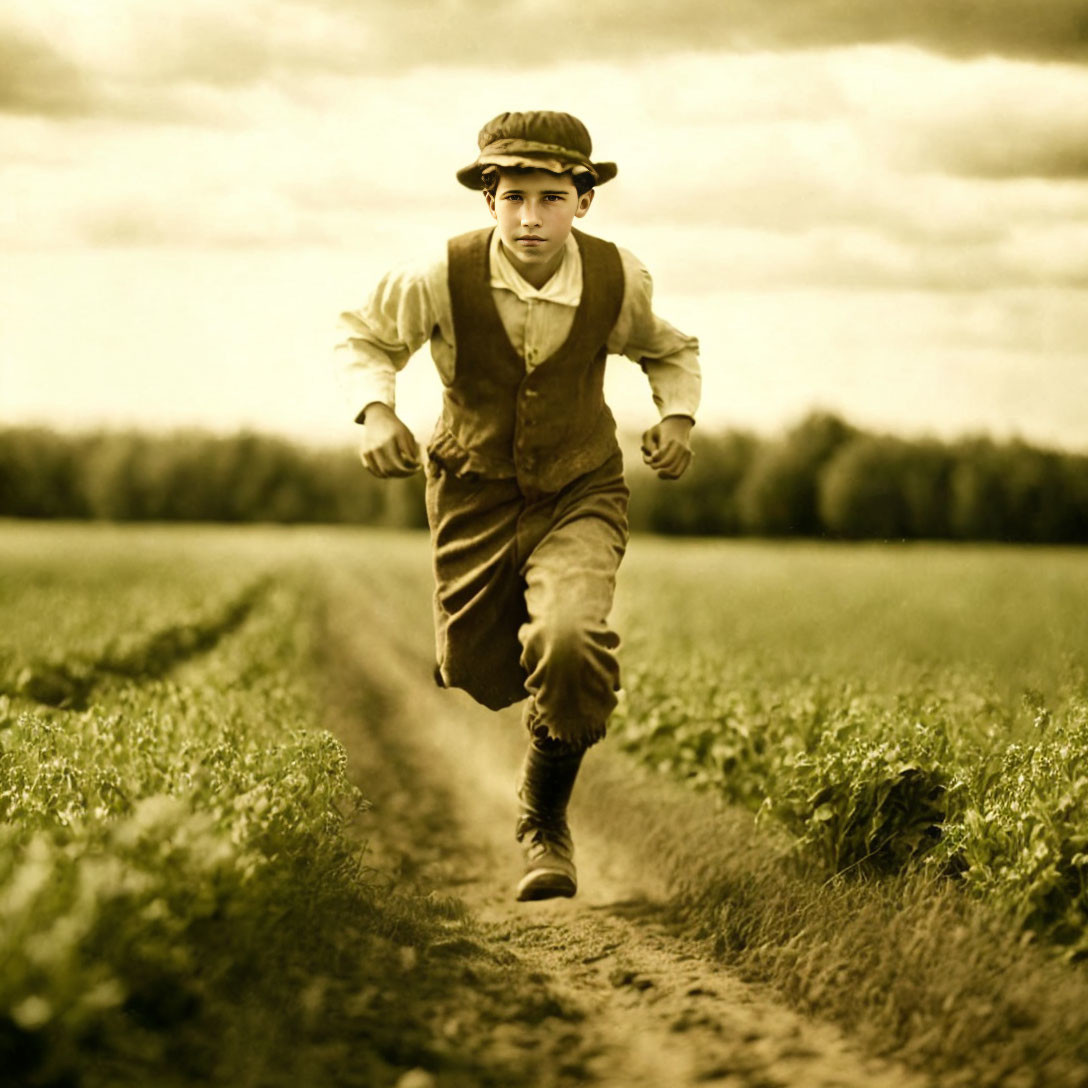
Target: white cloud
133,58
759,170
987,118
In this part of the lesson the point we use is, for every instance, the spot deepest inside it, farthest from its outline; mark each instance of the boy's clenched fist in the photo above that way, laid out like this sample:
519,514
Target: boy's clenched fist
666,447
387,448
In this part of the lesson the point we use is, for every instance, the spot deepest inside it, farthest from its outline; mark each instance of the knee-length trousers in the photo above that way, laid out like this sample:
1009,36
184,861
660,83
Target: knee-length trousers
524,583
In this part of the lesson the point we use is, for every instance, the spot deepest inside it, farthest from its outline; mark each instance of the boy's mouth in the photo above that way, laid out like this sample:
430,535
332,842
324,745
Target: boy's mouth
530,239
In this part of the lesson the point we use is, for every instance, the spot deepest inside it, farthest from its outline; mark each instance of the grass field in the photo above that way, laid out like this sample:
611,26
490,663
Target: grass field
178,878
883,703
182,900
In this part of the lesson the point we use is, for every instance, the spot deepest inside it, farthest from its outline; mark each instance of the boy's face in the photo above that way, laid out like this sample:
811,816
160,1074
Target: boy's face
535,211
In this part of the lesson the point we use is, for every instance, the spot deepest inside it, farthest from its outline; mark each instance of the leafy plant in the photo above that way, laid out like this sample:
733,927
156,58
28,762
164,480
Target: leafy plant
877,754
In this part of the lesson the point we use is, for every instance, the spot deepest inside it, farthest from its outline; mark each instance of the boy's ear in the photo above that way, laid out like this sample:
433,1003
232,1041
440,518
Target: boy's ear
584,202
490,198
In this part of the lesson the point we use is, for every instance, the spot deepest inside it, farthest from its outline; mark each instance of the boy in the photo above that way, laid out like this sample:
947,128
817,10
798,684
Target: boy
525,493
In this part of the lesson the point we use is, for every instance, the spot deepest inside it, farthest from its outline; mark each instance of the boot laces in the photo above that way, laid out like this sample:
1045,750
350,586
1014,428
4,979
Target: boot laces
546,838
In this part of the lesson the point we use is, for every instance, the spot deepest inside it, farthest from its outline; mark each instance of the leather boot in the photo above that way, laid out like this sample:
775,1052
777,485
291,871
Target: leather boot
544,789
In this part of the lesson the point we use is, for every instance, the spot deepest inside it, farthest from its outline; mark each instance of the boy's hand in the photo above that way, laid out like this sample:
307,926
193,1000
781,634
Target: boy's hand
666,447
387,448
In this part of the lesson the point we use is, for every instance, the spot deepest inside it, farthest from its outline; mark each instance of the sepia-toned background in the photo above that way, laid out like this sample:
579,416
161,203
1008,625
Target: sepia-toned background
835,837
881,211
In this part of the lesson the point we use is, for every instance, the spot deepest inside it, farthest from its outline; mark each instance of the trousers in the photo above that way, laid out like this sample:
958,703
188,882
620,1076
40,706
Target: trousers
524,583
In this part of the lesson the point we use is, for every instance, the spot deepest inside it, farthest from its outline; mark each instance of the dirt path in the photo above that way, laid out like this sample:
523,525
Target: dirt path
606,990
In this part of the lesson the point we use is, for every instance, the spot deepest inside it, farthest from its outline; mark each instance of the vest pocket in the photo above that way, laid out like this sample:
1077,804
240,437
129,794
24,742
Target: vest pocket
444,452
448,455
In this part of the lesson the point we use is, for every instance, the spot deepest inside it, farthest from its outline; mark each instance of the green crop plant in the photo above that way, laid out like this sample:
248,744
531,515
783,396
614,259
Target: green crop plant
159,848
929,742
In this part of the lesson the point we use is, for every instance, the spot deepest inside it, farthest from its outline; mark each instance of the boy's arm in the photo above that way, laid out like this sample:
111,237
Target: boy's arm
381,336
670,360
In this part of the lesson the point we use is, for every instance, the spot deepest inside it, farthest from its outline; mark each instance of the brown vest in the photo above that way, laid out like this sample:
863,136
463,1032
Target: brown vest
549,425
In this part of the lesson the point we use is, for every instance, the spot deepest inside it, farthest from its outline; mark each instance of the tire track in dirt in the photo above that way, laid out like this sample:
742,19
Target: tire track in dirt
68,684
619,995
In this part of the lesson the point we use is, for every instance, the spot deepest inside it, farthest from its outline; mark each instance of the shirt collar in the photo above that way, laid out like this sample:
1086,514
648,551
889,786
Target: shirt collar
564,287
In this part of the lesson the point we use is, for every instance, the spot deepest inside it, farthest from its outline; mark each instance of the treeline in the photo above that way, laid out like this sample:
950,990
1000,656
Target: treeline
195,476
823,478
826,478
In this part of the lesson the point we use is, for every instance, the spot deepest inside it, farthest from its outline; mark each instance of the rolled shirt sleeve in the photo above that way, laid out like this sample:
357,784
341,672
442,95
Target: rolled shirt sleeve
379,338
669,358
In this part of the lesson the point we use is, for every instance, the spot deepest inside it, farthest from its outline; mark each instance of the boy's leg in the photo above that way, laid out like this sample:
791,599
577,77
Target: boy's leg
568,652
568,647
479,594
544,788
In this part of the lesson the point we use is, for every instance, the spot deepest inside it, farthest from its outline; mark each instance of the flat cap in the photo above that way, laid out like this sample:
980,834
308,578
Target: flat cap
539,139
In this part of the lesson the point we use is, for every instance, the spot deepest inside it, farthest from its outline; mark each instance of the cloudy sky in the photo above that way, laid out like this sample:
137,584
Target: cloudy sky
875,208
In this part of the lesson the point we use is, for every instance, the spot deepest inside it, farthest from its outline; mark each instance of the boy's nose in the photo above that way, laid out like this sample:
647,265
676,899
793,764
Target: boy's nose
530,215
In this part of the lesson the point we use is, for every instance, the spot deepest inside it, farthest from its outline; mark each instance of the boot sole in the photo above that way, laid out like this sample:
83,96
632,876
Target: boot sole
545,884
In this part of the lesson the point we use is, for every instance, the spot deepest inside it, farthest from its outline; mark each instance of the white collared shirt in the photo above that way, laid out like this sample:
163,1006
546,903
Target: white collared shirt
528,325
563,287
412,305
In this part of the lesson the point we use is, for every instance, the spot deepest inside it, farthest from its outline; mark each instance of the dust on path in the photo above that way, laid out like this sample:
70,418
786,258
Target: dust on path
630,1000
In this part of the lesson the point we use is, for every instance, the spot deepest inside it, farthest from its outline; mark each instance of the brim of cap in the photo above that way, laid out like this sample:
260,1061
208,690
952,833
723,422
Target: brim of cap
471,176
